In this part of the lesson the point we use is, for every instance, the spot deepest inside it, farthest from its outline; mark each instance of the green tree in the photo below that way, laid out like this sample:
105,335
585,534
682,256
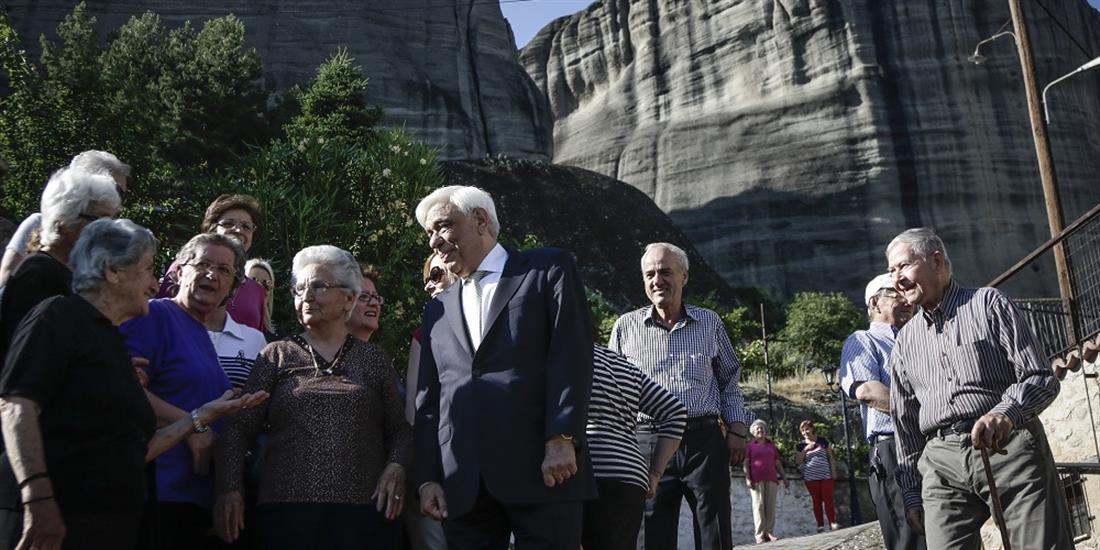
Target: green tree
817,324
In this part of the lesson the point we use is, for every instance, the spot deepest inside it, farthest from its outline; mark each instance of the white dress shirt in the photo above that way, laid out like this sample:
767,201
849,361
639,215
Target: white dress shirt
475,318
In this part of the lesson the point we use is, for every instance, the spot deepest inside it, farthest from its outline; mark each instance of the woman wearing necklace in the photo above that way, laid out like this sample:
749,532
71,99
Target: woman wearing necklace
333,473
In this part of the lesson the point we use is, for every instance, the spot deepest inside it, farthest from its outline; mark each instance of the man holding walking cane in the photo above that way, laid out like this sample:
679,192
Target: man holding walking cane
970,381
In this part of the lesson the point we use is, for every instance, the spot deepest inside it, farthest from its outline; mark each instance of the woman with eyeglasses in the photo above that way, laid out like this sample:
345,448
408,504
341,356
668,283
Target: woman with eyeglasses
183,372
238,217
367,313
333,474
423,532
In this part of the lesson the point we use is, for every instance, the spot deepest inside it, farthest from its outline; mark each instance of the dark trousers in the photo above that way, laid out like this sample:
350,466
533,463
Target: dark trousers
543,526
320,526
175,526
612,521
889,504
699,472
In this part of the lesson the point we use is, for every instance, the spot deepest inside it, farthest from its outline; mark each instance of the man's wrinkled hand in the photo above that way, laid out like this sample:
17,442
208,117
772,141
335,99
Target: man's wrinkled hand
736,439
990,430
432,502
560,462
915,518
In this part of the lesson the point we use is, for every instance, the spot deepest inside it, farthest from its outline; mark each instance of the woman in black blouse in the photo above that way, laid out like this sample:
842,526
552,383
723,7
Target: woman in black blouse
76,424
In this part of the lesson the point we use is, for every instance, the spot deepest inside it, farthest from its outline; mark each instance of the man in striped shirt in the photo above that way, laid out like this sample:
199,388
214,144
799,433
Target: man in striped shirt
685,349
864,376
967,376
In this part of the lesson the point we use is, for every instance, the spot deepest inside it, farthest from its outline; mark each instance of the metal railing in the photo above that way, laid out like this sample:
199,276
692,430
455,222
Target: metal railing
1058,328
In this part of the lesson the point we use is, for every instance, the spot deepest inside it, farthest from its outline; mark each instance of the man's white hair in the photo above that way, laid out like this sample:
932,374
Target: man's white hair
465,198
67,196
681,256
923,241
100,162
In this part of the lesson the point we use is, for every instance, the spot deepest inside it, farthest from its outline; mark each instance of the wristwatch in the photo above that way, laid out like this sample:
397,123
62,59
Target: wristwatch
200,428
564,437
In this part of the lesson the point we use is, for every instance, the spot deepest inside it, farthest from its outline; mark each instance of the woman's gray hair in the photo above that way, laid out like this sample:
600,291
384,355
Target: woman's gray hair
100,162
67,196
923,241
463,197
342,264
105,244
191,249
675,250
756,423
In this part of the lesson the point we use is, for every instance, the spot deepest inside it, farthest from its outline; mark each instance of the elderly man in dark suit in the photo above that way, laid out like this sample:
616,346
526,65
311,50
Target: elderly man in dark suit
505,375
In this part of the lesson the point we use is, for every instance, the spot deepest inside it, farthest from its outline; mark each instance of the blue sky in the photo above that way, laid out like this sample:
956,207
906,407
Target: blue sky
528,16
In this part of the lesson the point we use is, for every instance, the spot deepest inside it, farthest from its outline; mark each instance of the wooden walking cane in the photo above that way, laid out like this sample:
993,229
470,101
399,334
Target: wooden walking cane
998,511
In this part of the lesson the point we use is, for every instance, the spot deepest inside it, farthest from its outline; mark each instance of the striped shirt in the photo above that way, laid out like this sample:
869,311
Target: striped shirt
237,346
816,465
694,360
864,358
619,392
970,356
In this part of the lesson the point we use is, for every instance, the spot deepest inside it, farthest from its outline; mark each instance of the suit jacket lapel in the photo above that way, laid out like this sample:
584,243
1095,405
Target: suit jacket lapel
515,271
452,310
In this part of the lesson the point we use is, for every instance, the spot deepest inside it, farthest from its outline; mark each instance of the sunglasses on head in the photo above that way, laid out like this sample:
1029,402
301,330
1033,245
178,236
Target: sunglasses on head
435,275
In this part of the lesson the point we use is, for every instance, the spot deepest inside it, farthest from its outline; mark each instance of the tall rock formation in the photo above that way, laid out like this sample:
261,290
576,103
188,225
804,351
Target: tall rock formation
444,69
791,139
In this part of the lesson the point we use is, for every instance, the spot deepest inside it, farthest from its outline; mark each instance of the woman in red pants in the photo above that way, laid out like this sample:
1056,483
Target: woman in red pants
815,456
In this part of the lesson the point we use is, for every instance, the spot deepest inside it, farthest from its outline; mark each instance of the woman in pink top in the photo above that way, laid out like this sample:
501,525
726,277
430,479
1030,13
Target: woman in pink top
763,470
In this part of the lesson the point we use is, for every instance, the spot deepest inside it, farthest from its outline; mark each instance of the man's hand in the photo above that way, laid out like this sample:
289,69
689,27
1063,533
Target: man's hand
202,451
560,462
736,438
654,481
43,527
990,430
432,502
915,518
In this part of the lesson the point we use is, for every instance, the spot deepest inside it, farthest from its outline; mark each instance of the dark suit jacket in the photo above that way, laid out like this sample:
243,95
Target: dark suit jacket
487,416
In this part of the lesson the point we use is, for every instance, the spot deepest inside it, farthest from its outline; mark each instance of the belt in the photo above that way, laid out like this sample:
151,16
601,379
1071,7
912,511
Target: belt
876,438
962,427
700,422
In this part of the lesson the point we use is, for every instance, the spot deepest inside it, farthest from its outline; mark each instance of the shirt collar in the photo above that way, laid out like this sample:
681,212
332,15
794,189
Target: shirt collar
232,327
494,260
947,306
884,329
651,315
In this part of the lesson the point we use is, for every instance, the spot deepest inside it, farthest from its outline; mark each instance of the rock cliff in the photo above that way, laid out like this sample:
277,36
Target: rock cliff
606,223
446,70
791,139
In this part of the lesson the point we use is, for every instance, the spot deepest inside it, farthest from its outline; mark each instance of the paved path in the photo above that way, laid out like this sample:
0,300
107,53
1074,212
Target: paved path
860,537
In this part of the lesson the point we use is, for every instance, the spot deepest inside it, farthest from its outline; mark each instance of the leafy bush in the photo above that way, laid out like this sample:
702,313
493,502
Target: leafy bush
817,324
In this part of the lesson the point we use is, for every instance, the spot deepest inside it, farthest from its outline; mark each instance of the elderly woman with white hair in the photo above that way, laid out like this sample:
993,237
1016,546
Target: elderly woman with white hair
72,199
77,427
763,470
333,473
92,162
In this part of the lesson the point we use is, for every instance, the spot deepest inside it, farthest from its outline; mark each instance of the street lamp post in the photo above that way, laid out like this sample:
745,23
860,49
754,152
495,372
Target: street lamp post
829,372
1087,66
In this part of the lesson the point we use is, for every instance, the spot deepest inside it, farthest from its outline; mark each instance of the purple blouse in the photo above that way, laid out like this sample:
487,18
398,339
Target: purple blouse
183,371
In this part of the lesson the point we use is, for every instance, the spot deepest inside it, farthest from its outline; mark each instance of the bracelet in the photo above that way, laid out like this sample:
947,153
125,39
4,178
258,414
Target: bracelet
33,477
197,424
39,499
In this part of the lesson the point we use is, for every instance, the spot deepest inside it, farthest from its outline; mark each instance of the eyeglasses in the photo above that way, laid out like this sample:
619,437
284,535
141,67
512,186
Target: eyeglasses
247,227
366,298
221,270
318,287
435,275
263,282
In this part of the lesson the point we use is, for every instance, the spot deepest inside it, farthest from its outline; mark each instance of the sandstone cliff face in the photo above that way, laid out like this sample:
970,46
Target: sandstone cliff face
447,72
791,139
